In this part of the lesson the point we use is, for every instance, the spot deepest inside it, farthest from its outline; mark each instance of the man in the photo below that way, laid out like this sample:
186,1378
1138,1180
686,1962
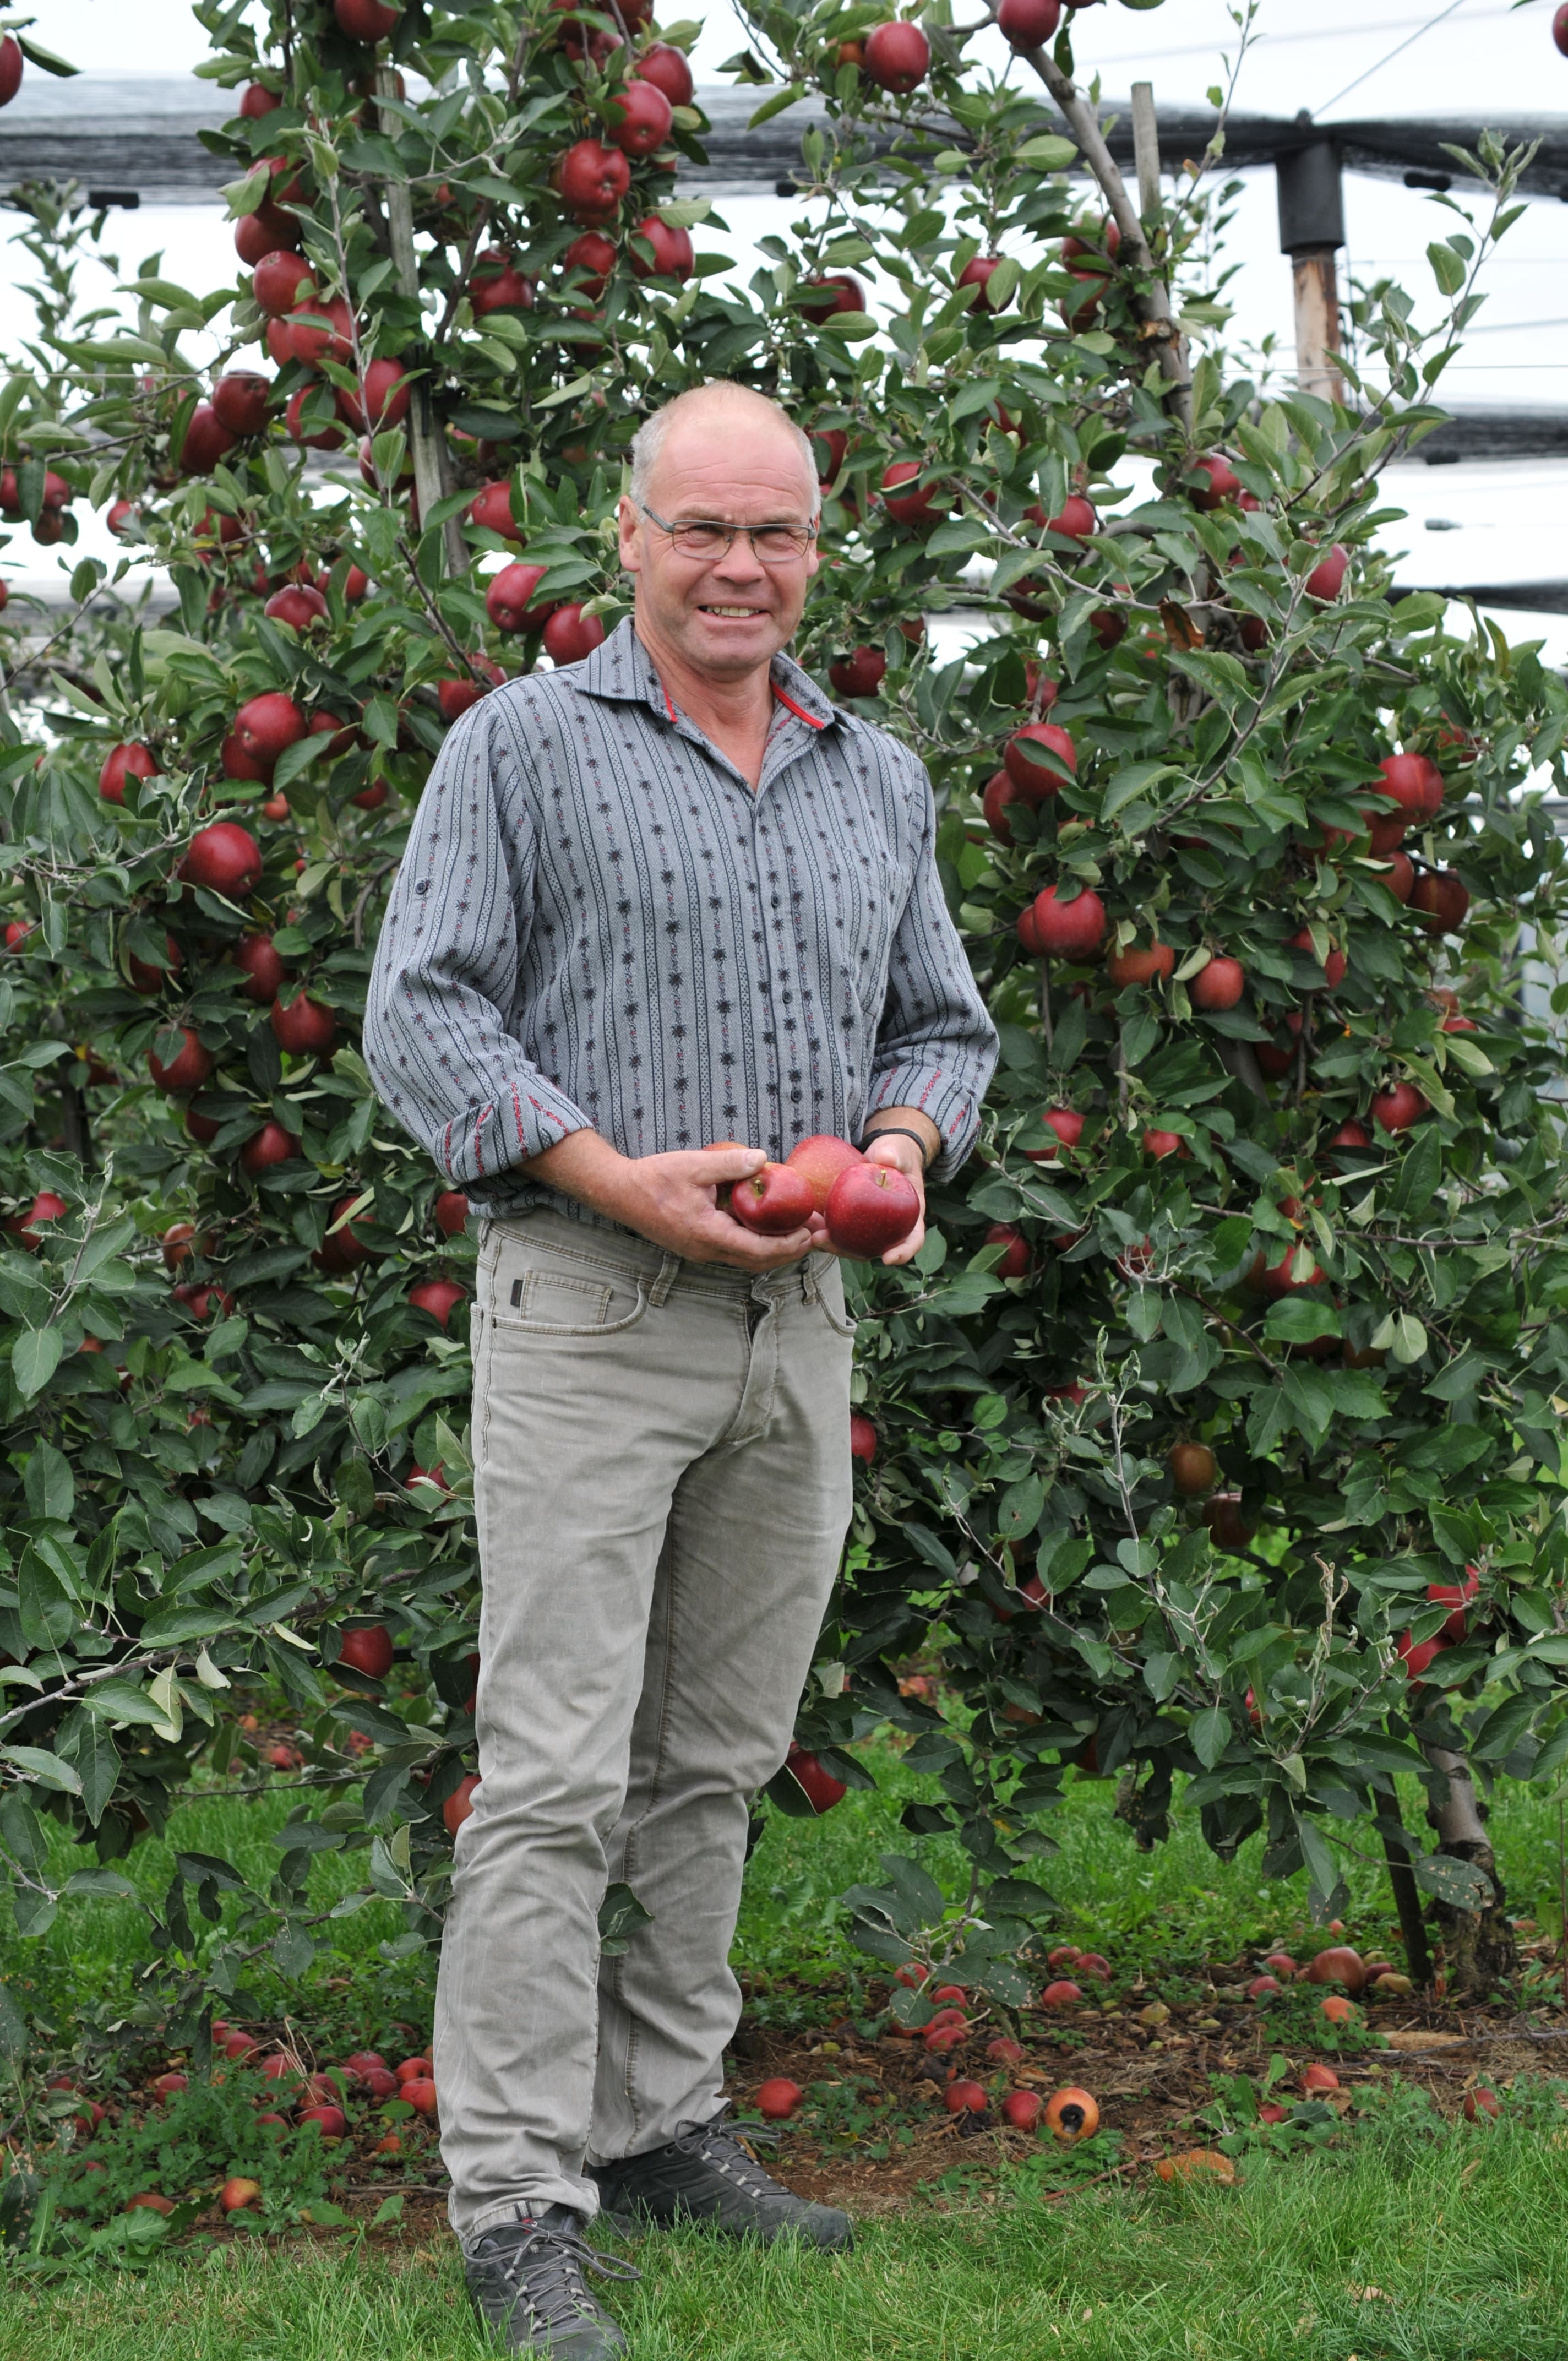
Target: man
664,898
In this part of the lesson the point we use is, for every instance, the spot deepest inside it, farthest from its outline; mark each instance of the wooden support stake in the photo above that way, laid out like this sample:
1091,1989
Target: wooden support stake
1316,275
1407,1897
431,475
1159,322
1146,150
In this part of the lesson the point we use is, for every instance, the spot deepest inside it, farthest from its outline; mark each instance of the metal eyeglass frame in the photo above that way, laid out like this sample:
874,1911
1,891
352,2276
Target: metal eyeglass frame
717,524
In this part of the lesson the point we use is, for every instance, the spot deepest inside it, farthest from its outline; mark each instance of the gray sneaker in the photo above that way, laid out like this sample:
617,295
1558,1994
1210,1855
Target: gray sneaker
707,2174
525,2282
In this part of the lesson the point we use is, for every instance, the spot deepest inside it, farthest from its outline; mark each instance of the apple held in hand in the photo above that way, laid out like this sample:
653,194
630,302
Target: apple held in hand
773,1200
822,1157
871,1208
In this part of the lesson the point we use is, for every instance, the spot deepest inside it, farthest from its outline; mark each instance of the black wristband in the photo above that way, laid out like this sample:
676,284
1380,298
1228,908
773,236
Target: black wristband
900,1131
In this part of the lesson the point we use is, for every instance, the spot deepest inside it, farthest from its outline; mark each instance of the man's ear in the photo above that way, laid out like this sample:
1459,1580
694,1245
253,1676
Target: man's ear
628,521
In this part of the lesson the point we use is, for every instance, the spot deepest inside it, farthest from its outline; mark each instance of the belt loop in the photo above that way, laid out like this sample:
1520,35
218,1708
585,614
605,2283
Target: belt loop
669,1270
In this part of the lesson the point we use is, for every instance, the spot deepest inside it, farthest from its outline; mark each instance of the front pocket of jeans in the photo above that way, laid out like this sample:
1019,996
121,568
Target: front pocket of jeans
539,1302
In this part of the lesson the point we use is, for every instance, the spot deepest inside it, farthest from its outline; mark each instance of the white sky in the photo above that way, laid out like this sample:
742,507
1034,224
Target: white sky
1485,60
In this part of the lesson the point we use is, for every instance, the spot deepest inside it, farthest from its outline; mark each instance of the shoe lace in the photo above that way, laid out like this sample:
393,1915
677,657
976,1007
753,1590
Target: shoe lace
547,2266
728,2146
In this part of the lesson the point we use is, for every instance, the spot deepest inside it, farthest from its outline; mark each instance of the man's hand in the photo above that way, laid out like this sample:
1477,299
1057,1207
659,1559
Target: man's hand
904,1157
671,1200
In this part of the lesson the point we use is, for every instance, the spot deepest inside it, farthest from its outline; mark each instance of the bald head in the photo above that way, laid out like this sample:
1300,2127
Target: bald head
721,417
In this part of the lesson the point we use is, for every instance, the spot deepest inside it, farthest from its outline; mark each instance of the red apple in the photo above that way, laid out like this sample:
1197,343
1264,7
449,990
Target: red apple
1337,1965
1062,1993
297,606
263,965
778,2099
207,441
640,118
320,431
1327,577
836,292
1016,1262
570,635
368,1648
822,1157
1418,1655
507,599
964,2097
496,284
923,505
803,1789
1397,1108
978,273
256,100
1223,483
305,1028
10,69
1076,520
381,401
238,2194
331,2122
1037,781
239,401
187,1070
1457,1595
454,697
267,1147
1000,791
322,329
224,857
490,508
1558,30
414,2070
262,728
1023,2109
458,1807
122,763
1150,966
898,57
1028,24
437,1296
592,180
46,1207
1068,1124
773,1200
871,1208
668,71
365,20
1333,966
862,1438
860,674
267,231
1074,930
1411,782
1443,900
451,1213
280,282
1218,985
670,254
593,255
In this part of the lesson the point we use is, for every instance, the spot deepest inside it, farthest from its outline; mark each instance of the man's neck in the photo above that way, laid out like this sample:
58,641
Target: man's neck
724,710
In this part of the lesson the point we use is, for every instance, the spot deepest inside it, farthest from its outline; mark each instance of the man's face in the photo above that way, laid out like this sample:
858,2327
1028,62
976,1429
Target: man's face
726,616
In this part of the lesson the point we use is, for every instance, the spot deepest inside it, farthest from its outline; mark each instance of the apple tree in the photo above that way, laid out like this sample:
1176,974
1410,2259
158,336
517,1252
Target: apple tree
235,1297
1218,1430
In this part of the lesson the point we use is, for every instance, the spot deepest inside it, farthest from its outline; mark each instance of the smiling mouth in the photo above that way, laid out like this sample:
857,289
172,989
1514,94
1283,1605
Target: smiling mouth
740,612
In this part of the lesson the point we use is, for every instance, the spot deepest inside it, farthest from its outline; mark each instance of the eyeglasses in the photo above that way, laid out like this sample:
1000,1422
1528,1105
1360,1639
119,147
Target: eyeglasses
705,537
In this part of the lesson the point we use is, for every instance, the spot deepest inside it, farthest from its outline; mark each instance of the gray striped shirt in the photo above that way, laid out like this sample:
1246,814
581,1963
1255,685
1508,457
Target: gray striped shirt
598,923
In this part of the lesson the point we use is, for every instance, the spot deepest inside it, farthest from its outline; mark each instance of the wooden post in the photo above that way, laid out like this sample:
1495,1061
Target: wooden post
431,477
1311,231
1146,150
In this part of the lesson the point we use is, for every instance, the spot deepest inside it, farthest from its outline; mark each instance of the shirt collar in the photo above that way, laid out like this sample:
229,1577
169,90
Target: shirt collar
621,668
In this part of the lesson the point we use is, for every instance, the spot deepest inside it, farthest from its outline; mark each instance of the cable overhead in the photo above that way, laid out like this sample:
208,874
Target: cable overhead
1396,52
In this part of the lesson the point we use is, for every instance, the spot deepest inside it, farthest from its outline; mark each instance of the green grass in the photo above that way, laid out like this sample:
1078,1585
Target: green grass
1461,2233
1461,2228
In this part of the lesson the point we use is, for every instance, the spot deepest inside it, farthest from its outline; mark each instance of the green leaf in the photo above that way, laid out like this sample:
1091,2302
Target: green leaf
1049,150
1458,1883
35,1356
620,1915
777,103
1210,1735
46,1768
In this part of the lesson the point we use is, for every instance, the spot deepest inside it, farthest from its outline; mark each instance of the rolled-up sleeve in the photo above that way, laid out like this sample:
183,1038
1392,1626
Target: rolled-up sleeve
936,1045
446,978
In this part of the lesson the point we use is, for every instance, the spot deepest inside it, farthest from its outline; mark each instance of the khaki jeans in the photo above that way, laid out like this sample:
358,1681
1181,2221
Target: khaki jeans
662,1473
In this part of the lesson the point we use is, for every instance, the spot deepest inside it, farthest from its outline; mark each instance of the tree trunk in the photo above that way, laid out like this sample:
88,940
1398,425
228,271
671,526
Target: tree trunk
1406,1898
1478,1947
